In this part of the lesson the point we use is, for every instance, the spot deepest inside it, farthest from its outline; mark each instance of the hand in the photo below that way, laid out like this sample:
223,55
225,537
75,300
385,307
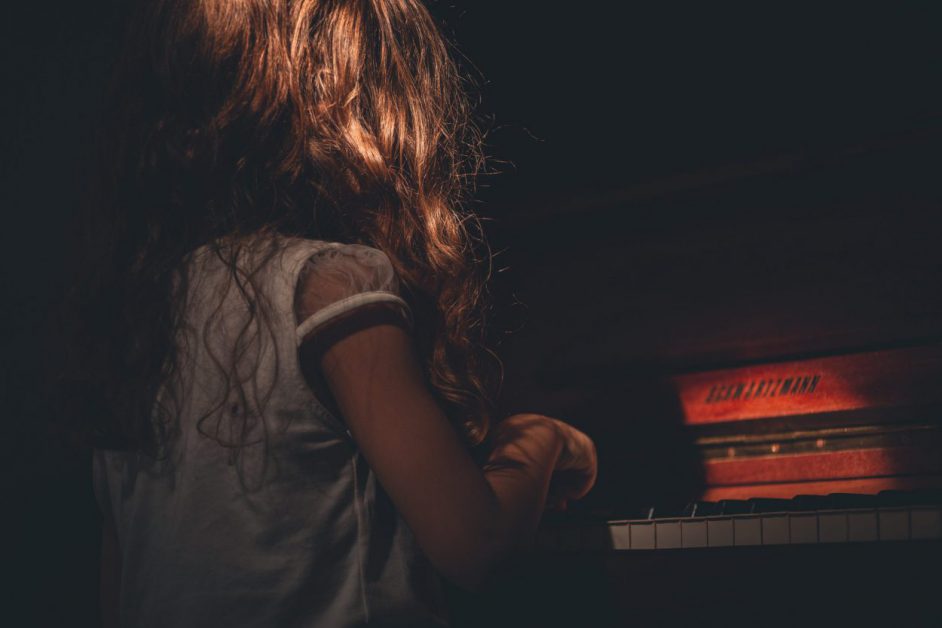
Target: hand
576,469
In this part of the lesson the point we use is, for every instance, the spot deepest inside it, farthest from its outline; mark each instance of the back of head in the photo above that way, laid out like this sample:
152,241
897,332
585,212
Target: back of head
341,120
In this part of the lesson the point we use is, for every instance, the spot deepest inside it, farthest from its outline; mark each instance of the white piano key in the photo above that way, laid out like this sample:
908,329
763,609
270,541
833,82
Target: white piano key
925,523
693,533
621,539
894,524
862,526
642,536
720,532
774,530
832,527
747,531
667,534
803,528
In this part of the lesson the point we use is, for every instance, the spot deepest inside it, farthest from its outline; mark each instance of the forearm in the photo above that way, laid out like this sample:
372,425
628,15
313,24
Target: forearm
519,472
464,520
504,510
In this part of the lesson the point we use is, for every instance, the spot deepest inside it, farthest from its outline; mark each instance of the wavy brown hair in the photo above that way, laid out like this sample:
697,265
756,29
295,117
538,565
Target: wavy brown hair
343,120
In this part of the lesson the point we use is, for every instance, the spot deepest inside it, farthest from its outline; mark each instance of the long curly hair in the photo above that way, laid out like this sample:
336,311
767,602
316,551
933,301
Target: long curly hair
342,120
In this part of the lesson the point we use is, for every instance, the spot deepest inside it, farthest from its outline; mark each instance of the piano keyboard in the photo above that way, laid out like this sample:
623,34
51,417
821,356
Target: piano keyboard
789,525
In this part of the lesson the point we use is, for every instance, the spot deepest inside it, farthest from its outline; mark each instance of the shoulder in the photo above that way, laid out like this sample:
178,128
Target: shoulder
337,279
347,267
351,255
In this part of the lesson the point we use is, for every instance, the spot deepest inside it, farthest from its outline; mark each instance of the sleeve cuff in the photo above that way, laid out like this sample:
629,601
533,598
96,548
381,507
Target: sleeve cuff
350,303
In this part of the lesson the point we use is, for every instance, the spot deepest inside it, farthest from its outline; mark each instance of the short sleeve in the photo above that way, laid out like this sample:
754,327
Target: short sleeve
341,279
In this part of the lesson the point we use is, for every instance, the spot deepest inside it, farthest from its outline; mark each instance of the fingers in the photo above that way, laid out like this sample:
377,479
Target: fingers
576,468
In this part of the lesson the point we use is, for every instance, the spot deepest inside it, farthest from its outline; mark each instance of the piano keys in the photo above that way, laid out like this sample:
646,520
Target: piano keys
819,501
766,351
836,449
841,518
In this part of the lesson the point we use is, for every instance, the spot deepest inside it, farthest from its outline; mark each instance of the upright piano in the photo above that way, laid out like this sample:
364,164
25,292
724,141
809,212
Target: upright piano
760,363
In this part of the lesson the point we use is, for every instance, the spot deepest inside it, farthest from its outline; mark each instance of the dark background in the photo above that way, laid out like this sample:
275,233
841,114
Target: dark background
672,188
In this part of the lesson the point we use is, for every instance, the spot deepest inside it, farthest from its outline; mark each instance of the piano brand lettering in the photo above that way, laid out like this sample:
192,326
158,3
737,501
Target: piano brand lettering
754,389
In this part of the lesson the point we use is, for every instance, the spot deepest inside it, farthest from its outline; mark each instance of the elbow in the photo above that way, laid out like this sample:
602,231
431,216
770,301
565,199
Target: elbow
469,566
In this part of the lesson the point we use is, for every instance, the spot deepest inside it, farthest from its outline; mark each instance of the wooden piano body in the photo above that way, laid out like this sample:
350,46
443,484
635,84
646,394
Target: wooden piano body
760,364
855,423
819,501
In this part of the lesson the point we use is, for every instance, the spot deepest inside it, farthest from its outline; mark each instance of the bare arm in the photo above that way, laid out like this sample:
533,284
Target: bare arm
465,519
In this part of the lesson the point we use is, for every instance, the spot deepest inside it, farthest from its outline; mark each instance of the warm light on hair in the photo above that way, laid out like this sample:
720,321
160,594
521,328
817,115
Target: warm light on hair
341,120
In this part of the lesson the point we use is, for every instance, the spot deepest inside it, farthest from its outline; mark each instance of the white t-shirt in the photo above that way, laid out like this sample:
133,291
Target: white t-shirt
293,530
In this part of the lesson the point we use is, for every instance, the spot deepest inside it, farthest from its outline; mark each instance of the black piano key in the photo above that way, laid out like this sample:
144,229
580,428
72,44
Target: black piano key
838,501
897,499
704,509
768,504
926,497
809,502
735,507
893,499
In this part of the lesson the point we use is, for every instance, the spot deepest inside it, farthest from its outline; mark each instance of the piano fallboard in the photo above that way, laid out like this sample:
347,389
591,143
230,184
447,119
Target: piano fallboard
855,423
878,380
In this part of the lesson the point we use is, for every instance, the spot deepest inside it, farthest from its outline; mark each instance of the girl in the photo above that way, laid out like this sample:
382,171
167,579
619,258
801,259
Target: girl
278,349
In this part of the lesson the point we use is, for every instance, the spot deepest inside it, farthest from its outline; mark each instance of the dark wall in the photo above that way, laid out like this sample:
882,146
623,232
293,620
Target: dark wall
651,166
55,62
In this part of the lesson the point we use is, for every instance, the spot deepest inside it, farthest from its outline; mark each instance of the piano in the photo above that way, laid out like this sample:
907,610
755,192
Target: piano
836,449
820,501
760,364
